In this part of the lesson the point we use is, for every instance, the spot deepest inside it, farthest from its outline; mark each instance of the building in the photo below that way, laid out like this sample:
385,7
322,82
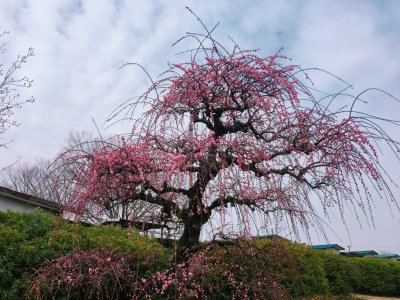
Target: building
391,256
333,248
21,202
361,253
17,201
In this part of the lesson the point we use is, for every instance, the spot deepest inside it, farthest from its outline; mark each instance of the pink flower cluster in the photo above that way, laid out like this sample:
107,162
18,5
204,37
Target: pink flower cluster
238,129
96,274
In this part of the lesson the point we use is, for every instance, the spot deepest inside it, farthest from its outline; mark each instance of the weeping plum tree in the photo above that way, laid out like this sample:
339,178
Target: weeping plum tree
233,129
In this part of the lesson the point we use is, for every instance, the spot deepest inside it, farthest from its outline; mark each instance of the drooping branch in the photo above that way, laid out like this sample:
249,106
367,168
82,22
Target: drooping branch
235,129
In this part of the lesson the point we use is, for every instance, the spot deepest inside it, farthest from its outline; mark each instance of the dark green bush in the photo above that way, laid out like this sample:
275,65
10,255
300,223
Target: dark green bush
377,276
340,272
28,240
31,240
281,269
17,231
257,268
313,277
31,225
235,270
372,276
323,273
148,253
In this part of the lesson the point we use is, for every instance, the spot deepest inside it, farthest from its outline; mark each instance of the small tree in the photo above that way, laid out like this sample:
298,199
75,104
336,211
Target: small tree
48,179
231,129
9,97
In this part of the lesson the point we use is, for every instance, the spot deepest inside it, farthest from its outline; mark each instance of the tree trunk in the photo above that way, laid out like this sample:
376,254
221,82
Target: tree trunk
191,232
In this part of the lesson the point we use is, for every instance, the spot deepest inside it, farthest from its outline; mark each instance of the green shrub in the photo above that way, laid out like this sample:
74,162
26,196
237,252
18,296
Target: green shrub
363,275
341,273
377,276
237,270
324,273
28,240
264,268
31,225
17,230
313,278
98,274
148,253
267,267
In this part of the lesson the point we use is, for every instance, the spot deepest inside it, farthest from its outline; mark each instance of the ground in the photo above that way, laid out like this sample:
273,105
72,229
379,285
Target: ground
354,297
365,297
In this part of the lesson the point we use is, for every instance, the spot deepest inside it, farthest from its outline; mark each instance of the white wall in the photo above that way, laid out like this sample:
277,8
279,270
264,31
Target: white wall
17,205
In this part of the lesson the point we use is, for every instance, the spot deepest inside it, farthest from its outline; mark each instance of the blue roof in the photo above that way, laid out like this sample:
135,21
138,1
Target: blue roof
327,246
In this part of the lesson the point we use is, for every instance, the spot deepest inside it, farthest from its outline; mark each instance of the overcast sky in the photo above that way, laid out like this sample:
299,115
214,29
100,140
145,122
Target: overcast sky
80,46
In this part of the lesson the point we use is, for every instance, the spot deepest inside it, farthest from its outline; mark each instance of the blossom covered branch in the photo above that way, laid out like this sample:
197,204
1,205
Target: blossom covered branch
234,129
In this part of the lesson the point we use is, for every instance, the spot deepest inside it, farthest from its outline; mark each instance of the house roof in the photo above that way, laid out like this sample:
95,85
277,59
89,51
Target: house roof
360,253
19,196
387,255
327,246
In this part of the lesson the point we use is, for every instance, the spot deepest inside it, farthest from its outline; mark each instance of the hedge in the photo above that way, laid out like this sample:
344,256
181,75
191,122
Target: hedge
324,273
377,276
272,268
29,240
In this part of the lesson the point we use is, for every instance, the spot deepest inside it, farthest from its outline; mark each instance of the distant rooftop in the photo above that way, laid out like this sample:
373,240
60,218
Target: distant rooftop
30,199
359,253
387,255
327,246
